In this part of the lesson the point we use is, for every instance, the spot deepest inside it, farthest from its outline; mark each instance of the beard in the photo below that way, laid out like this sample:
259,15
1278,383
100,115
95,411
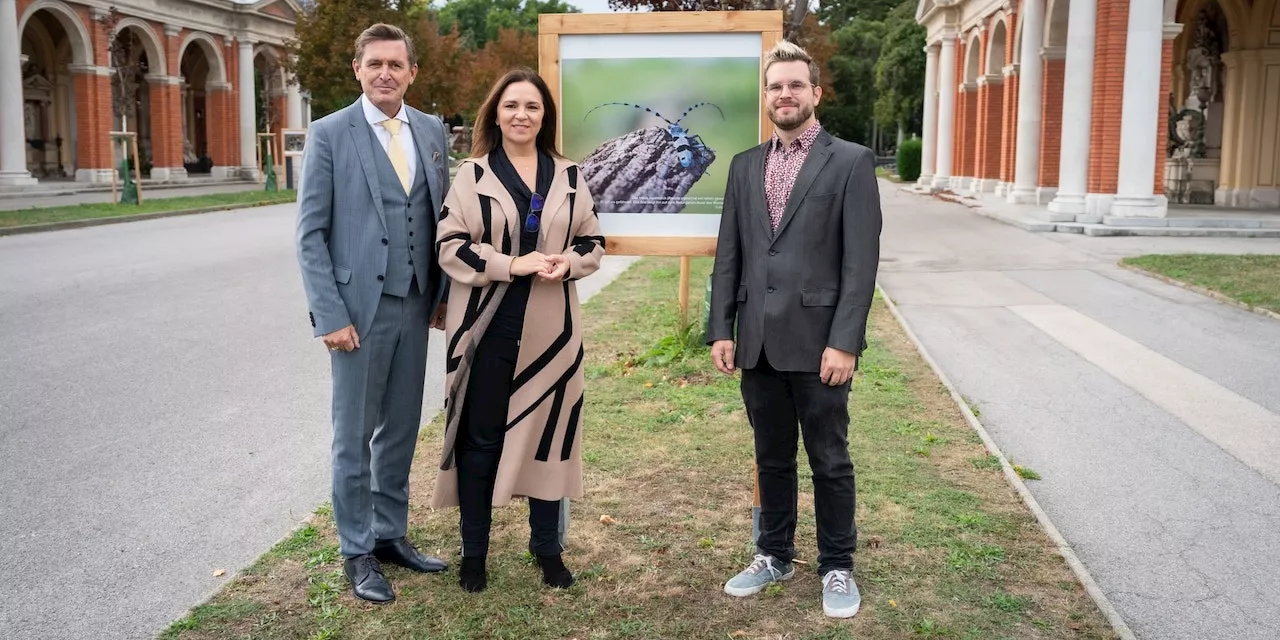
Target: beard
802,115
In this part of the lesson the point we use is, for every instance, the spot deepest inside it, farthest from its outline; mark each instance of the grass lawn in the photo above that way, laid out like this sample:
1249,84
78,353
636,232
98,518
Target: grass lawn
1253,279
882,172
149,205
946,549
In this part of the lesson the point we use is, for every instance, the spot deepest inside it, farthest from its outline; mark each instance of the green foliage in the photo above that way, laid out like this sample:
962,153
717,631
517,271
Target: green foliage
900,69
478,21
877,70
840,12
848,113
909,153
672,347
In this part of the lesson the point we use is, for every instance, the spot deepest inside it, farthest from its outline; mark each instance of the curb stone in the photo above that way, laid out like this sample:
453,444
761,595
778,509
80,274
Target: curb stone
94,222
1108,610
1202,291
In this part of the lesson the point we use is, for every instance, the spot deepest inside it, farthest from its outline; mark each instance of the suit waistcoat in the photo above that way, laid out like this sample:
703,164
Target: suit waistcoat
408,216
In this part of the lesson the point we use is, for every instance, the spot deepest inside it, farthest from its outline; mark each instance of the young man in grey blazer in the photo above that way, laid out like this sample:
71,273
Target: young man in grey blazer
373,177
795,271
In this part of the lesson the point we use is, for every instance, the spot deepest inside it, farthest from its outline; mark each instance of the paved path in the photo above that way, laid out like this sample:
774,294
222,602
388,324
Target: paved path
9,202
164,413
1152,413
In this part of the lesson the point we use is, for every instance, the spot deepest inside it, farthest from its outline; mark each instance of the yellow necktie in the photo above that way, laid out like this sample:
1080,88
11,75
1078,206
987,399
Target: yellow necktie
395,153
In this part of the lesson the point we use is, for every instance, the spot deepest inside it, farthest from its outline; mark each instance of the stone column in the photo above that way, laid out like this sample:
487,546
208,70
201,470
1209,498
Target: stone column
929,142
13,144
1231,138
1255,171
293,107
248,117
946,110
1141,111
1077,111
1027,164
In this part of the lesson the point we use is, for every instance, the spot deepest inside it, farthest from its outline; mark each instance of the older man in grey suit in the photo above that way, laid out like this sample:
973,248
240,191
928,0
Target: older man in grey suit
373,178
795,271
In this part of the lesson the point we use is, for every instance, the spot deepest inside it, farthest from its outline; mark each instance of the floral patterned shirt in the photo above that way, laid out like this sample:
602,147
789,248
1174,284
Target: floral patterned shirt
781,166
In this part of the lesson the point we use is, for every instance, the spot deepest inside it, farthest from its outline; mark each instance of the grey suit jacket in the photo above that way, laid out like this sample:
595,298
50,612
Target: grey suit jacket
808,286
341,222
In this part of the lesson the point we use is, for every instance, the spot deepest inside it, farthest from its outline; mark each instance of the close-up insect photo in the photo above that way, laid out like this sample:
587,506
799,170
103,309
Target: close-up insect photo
655,135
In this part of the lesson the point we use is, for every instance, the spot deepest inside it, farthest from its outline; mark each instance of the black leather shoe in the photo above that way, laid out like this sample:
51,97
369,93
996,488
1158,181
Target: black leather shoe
400,552
367,581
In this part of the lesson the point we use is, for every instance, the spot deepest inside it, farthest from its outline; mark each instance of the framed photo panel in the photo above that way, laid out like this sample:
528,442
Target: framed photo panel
653,106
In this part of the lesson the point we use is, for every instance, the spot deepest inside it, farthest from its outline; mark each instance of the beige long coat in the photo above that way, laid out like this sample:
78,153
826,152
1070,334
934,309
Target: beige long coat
478,237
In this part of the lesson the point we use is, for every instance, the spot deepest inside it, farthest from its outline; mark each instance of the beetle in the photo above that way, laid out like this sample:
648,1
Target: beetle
685,142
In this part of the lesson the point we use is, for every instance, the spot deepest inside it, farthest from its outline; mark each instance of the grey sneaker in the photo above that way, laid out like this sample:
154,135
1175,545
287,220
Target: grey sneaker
840,597
762,571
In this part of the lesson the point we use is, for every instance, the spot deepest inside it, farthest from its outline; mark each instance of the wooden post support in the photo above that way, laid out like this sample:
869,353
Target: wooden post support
686,264
114,199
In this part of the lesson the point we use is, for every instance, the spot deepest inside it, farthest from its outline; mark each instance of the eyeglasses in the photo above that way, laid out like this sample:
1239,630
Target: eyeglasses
795,86
532,223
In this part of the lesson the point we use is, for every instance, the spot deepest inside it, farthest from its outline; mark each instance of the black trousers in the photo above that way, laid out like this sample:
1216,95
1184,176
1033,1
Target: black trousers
775,402
483,427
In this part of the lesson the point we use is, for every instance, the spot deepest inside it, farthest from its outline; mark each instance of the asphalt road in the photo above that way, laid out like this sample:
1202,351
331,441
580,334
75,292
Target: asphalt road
1152,413
164,413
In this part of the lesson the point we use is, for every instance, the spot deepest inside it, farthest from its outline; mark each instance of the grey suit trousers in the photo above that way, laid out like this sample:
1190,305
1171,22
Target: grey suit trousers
377,409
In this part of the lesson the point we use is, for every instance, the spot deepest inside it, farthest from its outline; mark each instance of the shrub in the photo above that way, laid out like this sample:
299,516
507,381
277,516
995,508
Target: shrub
909,153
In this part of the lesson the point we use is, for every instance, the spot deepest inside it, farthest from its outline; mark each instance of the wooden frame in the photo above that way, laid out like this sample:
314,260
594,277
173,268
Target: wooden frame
290,136
551,26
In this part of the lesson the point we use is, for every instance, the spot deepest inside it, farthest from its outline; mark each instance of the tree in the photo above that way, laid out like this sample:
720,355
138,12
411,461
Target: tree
479,21
838,13
441,86
850,110
512,48
321,52
125,51
900,71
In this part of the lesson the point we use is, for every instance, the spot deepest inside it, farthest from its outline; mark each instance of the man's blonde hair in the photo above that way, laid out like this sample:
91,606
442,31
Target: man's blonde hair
786,51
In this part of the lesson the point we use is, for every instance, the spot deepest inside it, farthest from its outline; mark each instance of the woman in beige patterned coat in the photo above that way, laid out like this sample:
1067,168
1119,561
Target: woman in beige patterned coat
518,228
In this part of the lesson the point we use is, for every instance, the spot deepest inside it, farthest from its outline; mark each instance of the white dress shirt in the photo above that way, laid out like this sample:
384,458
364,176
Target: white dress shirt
375,117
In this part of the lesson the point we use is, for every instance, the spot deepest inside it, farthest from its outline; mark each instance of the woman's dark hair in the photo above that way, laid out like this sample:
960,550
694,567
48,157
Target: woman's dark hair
487,135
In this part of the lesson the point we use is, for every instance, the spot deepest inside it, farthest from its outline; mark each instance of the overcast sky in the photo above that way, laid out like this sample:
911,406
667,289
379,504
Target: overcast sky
591,6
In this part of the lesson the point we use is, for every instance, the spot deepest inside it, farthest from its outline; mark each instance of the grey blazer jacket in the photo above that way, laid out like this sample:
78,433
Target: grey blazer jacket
341,221
808,286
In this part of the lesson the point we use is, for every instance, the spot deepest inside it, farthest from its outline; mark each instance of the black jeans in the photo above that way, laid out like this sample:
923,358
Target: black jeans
775,401
483,426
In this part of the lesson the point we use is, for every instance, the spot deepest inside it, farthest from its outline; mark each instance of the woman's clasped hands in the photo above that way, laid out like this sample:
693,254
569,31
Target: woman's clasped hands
548,267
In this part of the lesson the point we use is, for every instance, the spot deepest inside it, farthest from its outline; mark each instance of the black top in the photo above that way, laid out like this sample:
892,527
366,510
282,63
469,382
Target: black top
508,320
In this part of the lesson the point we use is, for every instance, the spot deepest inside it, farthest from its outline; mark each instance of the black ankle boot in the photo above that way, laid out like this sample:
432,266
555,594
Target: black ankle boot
472,576
554,573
